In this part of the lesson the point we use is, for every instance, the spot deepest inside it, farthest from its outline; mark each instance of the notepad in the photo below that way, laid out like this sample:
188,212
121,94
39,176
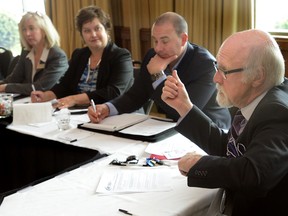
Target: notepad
117,122
32,113
134,126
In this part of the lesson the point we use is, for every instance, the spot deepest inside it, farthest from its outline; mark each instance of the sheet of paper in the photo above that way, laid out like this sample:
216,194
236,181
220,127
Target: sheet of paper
74,135
149,127
31,113
131,180
80,118
173,148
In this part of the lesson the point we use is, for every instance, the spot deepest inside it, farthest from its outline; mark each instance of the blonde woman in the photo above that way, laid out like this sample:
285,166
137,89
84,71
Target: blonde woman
42,62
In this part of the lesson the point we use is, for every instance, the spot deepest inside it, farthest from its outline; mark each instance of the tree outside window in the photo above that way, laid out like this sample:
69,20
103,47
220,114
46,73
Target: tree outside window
10,14
272,16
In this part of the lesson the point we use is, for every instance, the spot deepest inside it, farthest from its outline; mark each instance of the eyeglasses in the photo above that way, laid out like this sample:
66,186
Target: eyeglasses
35,13
225,72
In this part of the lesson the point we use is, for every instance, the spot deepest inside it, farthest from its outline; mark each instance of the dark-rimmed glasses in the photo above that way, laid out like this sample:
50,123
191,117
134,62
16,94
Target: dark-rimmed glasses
225,72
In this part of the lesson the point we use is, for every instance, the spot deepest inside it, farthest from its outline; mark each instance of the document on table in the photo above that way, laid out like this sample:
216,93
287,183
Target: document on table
131,180
174,148
74,135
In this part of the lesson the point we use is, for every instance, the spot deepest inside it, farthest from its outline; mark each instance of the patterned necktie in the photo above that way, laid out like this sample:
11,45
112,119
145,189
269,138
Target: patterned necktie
167,71
236,149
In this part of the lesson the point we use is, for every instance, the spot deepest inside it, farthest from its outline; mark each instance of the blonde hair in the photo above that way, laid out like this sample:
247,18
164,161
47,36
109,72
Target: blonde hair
42,21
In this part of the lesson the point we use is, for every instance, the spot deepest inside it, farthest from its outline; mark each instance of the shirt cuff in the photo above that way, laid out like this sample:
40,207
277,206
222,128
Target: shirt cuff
112,108
158,81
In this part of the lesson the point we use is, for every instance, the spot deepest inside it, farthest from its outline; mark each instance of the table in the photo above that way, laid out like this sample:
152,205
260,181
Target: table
25,159
73,192
29,158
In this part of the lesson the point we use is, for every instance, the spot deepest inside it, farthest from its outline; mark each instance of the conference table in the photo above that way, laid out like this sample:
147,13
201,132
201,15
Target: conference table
78,189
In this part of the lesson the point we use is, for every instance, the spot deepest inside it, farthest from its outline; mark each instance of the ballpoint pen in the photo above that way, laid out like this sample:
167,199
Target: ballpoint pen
33,87
125,212
93,105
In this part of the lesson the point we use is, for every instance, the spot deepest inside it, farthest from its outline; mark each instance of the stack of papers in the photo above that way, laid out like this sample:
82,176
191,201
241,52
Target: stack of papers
134,180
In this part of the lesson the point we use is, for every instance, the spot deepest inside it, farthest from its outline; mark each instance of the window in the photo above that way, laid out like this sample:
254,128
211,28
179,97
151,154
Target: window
272,16
11,12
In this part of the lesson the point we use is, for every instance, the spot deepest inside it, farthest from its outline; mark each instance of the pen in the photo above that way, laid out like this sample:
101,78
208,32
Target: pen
33,87
74,140
93,105
125,212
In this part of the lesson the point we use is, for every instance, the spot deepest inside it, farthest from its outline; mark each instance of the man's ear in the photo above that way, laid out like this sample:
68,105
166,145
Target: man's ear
259,78
184,37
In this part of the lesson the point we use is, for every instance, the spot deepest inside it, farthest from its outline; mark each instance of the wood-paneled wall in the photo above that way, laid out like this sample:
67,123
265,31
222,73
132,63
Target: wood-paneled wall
123,39
283,44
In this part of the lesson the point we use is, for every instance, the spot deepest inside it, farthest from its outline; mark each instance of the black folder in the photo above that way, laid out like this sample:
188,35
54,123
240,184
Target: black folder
149,129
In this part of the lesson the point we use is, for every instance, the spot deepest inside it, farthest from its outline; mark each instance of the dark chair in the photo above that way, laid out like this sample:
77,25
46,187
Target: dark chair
13,63
137,68
6,57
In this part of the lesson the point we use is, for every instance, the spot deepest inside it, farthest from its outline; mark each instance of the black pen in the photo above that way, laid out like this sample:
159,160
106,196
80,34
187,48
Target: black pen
74,140
125,212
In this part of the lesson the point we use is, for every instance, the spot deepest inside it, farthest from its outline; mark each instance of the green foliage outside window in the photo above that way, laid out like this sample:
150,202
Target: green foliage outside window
9,35
282,25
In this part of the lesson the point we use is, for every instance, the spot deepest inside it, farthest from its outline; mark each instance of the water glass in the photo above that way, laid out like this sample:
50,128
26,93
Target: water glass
63,119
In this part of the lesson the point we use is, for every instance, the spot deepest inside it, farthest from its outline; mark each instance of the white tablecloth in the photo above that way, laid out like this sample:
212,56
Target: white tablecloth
73,193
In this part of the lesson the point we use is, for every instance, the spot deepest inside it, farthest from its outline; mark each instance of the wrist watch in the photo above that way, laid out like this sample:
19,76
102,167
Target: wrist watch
156,76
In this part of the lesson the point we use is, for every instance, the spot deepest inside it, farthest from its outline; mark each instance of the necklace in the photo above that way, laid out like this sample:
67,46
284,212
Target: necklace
89,69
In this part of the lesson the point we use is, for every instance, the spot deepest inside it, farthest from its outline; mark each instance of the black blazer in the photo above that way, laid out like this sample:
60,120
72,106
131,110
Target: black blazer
257,182
115,74
20,79
196,71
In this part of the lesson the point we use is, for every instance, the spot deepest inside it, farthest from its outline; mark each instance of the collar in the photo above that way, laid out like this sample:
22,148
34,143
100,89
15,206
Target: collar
43,57
181,57
248,110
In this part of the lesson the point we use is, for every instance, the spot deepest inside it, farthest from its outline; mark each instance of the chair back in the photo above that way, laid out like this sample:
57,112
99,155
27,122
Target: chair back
137,68
6,57
13,63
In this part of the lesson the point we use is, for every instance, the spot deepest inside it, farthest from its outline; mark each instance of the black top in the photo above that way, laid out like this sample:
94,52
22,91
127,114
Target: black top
115,74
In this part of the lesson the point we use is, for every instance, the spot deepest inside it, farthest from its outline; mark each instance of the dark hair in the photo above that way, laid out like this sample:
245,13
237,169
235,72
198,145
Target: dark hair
87,14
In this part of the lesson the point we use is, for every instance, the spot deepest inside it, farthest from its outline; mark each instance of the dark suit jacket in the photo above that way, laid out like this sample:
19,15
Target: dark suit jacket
257,182
115,74
196,71
20,80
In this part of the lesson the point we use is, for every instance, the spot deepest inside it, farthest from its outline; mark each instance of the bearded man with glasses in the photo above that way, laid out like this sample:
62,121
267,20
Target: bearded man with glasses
251,168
